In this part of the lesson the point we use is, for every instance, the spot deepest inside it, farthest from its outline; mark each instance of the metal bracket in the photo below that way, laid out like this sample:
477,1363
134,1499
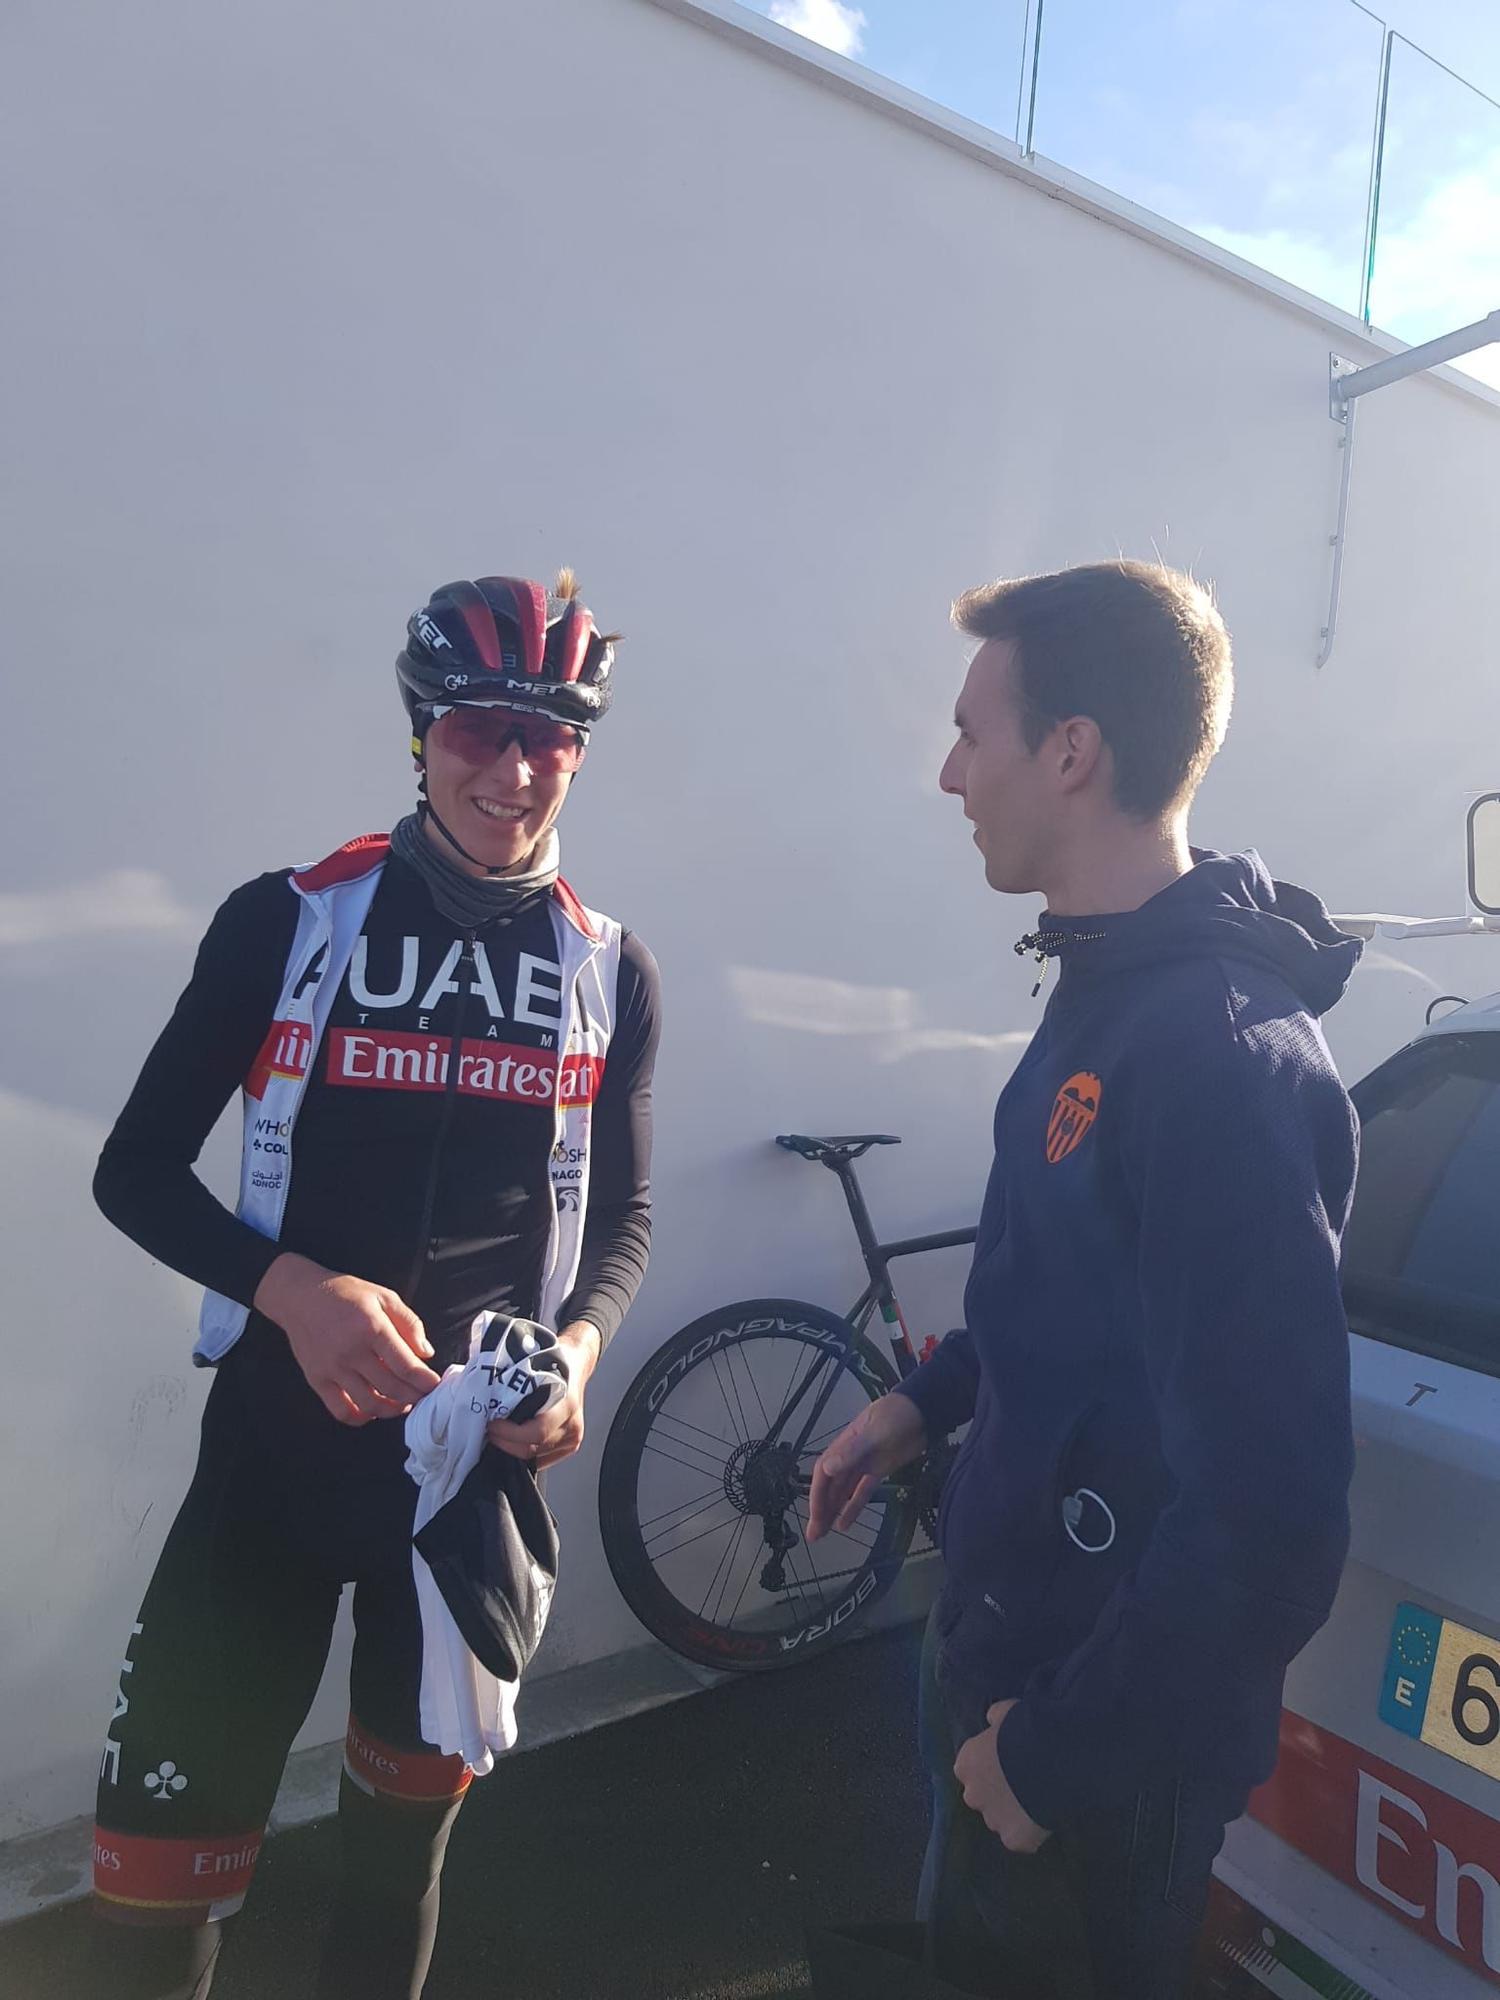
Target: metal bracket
1347,381
1343,413
1339,365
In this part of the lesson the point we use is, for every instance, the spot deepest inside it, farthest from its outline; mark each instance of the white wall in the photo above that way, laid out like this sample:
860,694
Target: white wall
324,304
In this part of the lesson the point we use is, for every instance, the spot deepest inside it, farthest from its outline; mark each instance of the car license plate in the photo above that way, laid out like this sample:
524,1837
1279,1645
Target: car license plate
1442,1685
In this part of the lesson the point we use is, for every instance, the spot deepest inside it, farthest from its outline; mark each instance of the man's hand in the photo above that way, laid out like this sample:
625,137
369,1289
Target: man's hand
987,1790
556,1433
886,1434
356,1343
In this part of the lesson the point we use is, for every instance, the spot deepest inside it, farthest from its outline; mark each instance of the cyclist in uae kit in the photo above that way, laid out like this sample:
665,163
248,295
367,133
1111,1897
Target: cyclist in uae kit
446,1063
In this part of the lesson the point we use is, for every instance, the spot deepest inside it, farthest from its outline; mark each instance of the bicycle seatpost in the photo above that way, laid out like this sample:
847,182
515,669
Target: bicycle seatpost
864,1228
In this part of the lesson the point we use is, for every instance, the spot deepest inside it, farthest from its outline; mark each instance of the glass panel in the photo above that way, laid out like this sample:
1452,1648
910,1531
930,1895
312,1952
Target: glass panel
966,55
1250,125
1422,1253
1437,240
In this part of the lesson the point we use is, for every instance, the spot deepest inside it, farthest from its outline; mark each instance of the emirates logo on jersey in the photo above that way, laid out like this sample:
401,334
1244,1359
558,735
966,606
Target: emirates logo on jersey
370,1059
286,1052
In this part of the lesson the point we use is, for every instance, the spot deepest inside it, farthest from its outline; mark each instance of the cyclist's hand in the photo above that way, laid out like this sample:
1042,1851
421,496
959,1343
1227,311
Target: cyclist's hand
884,1435
556,1433
357,1343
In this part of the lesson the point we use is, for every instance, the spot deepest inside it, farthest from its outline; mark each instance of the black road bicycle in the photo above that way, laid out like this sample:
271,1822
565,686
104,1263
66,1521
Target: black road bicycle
707,1470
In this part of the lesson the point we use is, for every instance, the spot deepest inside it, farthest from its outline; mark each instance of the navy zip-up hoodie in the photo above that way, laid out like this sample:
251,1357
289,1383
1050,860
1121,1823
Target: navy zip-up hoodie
1148,1519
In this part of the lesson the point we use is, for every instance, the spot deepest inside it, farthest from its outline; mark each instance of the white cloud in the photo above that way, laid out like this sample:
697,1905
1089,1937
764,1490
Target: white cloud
836,26
887,1018
1440,266
1436,265
122,899
819,1006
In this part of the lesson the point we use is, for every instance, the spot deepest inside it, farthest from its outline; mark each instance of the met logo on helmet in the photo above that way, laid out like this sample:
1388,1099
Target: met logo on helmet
431,633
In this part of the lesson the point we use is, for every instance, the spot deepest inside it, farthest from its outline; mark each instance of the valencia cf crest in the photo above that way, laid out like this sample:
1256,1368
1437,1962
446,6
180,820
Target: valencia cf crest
1074,1110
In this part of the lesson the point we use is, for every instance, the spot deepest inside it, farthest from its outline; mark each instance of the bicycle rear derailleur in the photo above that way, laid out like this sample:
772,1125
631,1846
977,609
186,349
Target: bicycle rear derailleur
760,1478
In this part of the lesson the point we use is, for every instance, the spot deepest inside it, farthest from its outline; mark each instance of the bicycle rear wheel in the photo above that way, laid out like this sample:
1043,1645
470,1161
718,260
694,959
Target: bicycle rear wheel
703,1495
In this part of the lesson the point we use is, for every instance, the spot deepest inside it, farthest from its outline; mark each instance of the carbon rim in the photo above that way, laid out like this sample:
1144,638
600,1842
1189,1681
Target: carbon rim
703,1500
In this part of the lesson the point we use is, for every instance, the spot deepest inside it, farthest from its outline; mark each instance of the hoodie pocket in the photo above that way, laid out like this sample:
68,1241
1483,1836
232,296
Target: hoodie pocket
994,1614
1108,1491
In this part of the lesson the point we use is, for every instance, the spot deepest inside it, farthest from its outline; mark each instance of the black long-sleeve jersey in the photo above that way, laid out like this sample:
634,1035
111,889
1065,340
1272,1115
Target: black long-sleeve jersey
441,1196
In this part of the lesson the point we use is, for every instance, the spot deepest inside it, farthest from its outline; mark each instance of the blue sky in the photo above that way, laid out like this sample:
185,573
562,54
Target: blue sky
1249,121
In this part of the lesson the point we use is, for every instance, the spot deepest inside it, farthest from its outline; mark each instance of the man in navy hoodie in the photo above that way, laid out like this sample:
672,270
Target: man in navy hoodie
1148,1518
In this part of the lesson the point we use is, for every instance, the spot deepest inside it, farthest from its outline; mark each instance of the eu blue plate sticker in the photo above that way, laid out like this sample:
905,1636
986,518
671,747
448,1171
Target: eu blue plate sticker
1408,1670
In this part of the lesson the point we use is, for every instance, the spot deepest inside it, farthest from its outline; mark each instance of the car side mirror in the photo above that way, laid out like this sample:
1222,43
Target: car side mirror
1484,854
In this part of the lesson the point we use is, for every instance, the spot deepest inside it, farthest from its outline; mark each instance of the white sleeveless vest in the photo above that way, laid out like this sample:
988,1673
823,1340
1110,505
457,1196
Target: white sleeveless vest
334,899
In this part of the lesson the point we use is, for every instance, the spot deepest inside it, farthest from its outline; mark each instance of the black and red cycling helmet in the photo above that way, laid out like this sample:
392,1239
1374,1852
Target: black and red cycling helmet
508,641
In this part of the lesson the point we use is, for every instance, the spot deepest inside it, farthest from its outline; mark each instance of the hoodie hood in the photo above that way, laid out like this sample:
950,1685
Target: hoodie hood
1227,906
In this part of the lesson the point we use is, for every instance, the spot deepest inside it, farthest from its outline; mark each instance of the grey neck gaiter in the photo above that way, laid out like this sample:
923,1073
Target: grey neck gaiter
471,901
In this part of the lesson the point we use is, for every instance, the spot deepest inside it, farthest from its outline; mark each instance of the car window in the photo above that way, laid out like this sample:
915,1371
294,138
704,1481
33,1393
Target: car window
1422,1252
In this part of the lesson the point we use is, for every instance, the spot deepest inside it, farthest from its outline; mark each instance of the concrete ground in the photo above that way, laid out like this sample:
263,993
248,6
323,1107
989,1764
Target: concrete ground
692,1846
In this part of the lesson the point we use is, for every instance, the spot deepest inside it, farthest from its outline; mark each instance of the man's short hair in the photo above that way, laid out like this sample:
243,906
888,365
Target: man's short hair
1140,649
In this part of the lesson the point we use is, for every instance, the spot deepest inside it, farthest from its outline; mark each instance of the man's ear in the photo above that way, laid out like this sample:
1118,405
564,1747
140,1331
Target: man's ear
1080,747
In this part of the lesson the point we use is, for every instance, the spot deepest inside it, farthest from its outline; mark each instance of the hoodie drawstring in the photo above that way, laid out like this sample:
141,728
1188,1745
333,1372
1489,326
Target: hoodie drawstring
1045,945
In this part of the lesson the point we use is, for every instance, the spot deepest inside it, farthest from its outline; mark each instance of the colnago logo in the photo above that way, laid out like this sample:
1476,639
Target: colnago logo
372,1059
270,1135
286,1052
828,1337
810,1634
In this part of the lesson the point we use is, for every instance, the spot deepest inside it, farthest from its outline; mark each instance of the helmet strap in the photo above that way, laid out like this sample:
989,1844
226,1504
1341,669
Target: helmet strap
426,811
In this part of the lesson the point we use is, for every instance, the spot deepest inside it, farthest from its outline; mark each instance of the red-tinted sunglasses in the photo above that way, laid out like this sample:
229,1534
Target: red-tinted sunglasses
481,735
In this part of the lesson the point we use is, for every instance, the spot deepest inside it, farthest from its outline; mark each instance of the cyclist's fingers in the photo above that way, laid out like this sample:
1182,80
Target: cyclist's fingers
407,1324
542,1431
338,1405
389,1396
830,1489
389,1353
850,1512
562,1447
361,1398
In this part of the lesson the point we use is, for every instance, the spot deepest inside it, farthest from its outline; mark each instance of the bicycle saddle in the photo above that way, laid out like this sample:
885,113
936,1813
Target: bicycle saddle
847,1147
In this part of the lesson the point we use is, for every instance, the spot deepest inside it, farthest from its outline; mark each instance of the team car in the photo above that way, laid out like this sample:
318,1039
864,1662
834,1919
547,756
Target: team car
1370,1863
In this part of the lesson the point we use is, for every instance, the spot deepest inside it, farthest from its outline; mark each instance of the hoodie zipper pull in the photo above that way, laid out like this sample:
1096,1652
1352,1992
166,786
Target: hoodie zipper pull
1033,942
